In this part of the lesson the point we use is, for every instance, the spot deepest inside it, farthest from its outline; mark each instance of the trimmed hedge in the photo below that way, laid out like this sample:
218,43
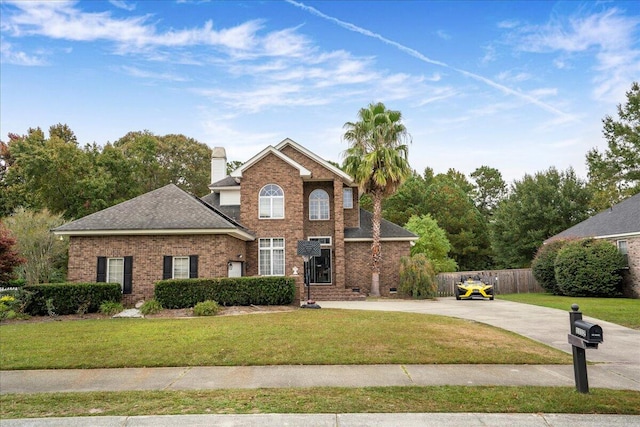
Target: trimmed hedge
589,268
543,266
69,298
227,291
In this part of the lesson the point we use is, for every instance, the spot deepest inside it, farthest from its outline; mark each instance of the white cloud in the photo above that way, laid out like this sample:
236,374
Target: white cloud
609,37
121,4
11,56
150,75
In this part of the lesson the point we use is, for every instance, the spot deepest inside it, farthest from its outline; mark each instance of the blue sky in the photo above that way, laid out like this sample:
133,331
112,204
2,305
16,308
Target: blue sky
519,86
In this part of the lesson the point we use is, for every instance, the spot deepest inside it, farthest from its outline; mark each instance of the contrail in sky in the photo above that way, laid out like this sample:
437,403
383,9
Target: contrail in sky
418,55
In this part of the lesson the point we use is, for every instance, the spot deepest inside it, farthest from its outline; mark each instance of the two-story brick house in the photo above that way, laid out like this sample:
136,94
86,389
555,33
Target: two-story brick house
249,225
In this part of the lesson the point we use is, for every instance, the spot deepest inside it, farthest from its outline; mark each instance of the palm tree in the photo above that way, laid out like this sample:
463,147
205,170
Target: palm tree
377,161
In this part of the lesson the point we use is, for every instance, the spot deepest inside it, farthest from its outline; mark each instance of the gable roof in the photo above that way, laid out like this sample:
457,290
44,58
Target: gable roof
622,219
304,172
167,210
289,142
388,230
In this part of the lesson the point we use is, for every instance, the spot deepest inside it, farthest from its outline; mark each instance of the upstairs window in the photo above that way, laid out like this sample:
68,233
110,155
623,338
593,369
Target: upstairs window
347,198
318,205
271,202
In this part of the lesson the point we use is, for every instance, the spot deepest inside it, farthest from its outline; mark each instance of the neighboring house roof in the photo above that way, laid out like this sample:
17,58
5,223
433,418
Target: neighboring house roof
621,220
167,210
304,172
388,230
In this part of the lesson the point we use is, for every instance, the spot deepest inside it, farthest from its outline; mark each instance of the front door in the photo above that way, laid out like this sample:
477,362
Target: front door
234,269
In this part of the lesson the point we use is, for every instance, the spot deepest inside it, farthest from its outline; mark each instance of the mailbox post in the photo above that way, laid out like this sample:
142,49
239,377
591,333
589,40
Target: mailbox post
583,335
308,249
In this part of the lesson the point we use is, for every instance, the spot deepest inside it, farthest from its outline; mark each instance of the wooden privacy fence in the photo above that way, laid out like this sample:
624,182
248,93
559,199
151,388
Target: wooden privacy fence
517,281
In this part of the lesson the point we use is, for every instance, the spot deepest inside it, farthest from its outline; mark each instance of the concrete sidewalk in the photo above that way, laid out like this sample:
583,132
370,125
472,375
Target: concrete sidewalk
338,420
222,377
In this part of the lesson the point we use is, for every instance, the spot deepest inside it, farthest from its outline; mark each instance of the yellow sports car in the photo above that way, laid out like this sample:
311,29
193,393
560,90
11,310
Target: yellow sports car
470,288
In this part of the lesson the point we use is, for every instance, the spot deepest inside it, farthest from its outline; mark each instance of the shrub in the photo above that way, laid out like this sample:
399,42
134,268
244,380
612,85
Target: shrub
151,306
543,266
111,308
69,298
206,308
184,293
417,277
589,268
7,311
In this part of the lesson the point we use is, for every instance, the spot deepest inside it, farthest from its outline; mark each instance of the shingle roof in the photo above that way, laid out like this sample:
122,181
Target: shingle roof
167,208
621,219
213,199
388,230
227,181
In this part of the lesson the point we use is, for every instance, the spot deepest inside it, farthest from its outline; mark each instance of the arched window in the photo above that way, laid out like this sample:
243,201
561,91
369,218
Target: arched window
271,202
318,205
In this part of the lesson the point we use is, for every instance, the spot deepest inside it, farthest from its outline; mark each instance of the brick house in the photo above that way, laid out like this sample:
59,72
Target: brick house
620,225
249,224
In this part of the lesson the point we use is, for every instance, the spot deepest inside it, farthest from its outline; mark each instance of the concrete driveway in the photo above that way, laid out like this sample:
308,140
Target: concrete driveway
620,349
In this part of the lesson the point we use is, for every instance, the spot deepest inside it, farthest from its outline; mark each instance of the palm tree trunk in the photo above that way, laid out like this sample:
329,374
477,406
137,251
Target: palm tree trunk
376,255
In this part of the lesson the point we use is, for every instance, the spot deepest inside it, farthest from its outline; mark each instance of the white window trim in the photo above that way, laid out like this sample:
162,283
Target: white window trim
173,266
271,249
270,198
317,238
319,211
344,191
108,277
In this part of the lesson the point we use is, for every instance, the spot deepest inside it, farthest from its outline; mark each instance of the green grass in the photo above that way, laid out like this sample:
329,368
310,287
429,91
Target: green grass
622,311
306,337
323,400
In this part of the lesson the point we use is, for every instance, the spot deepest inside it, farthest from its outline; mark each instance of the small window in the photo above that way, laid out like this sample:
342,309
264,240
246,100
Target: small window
324,241
271,202
347,198
319,205
622,248
115,270
181,267
271,257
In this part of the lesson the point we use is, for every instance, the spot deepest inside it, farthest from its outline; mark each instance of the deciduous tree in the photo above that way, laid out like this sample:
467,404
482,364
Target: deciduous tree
615,173
538,207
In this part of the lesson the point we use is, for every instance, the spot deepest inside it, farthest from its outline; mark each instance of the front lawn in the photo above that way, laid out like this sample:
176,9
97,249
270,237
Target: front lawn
622,311
306,337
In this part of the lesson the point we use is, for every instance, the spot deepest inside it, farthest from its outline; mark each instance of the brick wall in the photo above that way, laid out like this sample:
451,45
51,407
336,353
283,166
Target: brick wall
272,170
358,265
214,251
632,276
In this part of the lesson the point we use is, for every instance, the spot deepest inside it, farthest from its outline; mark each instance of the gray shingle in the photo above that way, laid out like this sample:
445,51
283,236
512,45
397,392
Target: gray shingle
388,230
167,208
622,218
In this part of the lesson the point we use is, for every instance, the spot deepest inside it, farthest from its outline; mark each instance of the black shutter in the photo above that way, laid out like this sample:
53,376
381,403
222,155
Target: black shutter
128,275
101,275
193,266
167,267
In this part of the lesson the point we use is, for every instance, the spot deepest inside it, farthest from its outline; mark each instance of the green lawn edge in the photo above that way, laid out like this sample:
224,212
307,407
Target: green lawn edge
478,399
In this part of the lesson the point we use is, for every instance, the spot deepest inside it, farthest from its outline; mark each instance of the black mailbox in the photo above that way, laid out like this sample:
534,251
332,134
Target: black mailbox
589,332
